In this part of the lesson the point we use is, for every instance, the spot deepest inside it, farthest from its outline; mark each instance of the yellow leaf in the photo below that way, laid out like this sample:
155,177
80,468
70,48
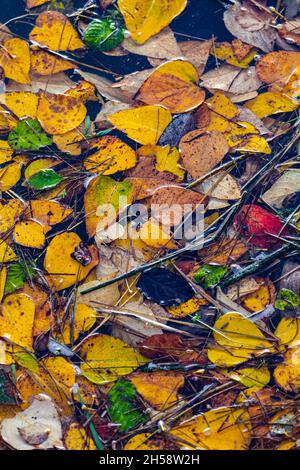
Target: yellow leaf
10,210
43,63
144,125
6,253
224,51
187,308
59,114
63,270
56,378
43,313
15,60
276,68
110,156
6,152
30,233
55,31
260,299
167,158
17,317
287,374
240,339
70,142
251,377
84,91
144,442
39,164
21,103
270,102
221,105
219,429
153,234
9,176
48,212
145,18
107,358
288,332
84,319
3,275
104,199
76,438
173,86
160,389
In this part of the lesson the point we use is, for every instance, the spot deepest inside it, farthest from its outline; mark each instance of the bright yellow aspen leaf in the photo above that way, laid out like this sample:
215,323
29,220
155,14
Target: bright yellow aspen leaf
6,152
224,51
167,158
15,60
84,91
105,359
55,31
10,210
219,429
9,176
70,142
3,275
144,442
251,376
21,104
83,320
30,233
187,308
153,234
109,155
240,339
17,317
287,374
63,270
270,103
43,63
48,212
6,253
145,125
145,18
76,438
160,389
59,114
288,332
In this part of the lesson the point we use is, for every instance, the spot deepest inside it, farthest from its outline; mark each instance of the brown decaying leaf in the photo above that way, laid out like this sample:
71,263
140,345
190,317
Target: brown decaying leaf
201,153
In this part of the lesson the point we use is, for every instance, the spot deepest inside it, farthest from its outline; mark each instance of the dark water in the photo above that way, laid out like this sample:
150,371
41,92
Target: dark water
201,20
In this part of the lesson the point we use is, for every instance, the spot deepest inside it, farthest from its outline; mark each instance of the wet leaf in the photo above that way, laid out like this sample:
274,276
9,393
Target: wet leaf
44,179
15,60
145,19
28,135
164,287
210,275
54,31
144,125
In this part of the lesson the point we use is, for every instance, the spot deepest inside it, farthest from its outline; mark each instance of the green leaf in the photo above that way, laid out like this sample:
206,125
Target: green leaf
104,34
287,300
16,276
209,275
124,406
26,360
44,179
28,135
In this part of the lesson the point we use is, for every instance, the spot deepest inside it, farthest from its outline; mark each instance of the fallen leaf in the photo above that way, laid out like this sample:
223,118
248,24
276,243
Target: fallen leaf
106,359
145,19
144,125
15,60
54,31
201,153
